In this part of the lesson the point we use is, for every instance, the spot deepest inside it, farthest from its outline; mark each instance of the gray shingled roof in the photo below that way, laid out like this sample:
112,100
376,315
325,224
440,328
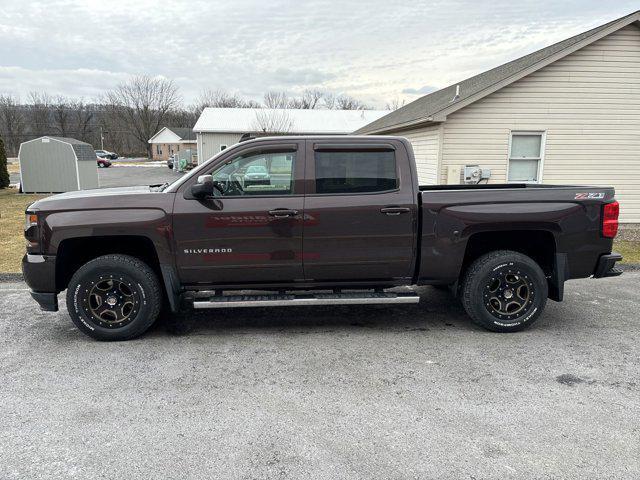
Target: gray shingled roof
184,133
72,141
437,101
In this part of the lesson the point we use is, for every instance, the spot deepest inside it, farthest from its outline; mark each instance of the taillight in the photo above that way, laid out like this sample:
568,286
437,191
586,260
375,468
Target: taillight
610,213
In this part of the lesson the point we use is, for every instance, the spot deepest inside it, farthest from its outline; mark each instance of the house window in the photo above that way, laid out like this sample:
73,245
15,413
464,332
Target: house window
158,149
223,147
525,156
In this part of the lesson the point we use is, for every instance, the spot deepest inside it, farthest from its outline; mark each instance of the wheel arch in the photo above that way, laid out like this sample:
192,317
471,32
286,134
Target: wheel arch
540,245
74,252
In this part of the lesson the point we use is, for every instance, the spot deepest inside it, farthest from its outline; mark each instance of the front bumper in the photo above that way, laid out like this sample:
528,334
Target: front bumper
47,301
606,266
39,272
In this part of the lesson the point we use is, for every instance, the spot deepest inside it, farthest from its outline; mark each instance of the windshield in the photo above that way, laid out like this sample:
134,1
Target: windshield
256,169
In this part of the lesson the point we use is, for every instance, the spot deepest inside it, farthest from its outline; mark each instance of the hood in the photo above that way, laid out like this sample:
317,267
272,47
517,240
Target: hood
108,194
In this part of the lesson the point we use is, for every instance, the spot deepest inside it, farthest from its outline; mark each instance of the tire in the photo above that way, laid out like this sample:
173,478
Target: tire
504,291
128,282
442,288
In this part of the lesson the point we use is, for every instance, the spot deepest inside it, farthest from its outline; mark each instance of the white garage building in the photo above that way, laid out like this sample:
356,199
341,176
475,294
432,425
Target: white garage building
219,128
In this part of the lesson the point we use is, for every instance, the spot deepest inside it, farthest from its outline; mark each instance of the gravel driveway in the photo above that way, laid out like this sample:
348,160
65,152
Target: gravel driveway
410,391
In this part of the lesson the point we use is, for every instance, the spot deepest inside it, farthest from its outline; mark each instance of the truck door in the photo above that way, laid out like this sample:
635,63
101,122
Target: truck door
251,231
360,212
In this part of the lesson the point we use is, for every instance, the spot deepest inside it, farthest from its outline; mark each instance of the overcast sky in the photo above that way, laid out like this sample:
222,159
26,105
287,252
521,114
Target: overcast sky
376,50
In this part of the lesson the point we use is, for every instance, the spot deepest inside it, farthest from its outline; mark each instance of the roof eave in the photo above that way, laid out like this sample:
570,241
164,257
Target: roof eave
441,115
400,126
537,66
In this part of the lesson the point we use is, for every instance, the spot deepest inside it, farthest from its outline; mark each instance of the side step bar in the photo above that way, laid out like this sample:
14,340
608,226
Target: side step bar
291,300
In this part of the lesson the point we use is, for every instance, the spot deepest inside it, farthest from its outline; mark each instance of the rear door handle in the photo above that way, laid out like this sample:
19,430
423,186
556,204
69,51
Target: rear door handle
394,210
283,213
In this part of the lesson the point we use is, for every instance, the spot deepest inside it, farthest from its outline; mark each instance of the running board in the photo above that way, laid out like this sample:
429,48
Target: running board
291,300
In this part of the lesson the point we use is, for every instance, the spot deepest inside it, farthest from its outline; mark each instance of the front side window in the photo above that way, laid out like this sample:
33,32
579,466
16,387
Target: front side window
352,171
525,156
263,173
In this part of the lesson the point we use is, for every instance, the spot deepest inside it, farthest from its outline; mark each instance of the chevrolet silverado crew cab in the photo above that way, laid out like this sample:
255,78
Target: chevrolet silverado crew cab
312,221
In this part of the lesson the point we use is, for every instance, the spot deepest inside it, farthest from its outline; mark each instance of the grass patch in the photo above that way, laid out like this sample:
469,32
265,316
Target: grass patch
12,242
13,167
629,249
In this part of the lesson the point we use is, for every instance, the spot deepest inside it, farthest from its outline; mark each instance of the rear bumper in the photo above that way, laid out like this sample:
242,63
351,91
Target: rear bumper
606,266
39,273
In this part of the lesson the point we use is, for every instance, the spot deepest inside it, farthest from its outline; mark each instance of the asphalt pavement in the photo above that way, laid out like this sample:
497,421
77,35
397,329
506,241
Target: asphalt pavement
125,176
411,391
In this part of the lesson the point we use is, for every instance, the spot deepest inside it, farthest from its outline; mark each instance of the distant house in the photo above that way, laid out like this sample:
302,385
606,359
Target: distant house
170,140
219,128
569,113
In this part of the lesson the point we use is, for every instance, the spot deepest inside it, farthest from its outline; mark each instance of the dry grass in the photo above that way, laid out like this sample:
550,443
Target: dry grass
630,250
12,242
13,167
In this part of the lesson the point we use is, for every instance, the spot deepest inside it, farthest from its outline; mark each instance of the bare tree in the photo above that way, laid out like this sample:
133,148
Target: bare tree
309,99
394,104
61,112
272,121
39,114
329,100
12,123
221,99
276,100
142,105
346,102
82,121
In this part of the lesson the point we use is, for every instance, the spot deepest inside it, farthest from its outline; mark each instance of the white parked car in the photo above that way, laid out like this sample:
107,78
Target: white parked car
106,154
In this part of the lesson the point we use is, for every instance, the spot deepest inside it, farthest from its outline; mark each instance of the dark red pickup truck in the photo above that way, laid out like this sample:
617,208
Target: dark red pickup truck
313,221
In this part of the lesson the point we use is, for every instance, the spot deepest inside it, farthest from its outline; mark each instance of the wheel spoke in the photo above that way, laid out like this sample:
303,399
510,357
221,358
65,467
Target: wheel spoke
112,302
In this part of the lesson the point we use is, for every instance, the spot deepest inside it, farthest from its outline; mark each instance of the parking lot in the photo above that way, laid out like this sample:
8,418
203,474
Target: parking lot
410,391
122,176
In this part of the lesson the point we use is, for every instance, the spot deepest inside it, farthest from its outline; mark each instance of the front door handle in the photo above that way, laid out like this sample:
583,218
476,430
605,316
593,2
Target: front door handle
394,210
283,213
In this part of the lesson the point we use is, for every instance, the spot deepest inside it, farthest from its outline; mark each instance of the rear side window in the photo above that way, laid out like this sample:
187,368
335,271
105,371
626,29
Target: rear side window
353,171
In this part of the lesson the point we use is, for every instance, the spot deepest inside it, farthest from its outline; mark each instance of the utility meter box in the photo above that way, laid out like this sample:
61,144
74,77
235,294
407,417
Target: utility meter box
473,174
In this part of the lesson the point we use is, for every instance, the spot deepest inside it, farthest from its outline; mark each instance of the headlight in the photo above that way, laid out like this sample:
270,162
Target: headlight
31,220
32,232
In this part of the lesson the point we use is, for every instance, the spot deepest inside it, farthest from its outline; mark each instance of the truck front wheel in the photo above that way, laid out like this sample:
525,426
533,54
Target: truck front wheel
504,291
114,297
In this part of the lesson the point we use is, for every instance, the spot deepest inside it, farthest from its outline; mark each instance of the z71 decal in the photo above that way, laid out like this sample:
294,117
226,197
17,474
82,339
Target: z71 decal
590,196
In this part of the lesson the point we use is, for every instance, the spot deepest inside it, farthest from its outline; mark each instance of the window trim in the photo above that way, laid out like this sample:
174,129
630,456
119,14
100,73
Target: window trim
543,146
359,147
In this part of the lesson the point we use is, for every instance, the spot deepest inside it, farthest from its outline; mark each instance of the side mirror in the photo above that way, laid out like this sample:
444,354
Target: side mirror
204,188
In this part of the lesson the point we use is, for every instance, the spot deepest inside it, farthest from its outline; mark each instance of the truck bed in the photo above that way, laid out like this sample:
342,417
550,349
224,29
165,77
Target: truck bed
560,218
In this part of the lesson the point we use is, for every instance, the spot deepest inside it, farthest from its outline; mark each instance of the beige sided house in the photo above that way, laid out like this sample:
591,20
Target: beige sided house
170,140
219,128
569,113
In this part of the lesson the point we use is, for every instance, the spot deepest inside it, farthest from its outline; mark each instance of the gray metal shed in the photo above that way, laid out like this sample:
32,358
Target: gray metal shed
57,164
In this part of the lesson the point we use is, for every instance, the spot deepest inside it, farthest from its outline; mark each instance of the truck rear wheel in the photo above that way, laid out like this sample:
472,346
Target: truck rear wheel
114,297
504,291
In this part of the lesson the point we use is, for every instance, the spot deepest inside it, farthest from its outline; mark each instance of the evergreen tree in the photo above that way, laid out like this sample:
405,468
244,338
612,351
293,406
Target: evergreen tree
4,173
